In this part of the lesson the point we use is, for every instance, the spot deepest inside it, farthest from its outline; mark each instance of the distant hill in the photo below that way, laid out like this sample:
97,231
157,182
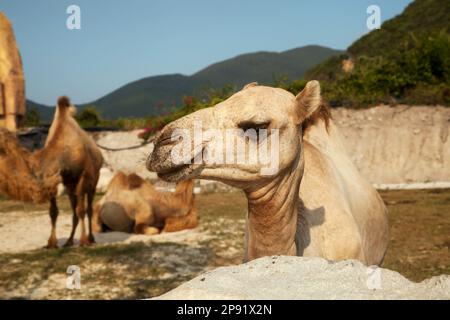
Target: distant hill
159,94
406,61
421,17
45,112
264,67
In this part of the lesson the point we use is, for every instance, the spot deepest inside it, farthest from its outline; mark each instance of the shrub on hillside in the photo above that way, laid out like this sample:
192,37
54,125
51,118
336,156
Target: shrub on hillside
32,118
89,117
418,73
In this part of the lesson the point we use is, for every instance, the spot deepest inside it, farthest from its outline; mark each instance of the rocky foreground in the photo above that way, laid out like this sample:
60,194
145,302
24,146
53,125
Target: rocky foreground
282,277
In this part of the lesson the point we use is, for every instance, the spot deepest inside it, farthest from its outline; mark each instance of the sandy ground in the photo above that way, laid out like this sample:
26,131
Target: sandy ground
119,266
24,231
124,266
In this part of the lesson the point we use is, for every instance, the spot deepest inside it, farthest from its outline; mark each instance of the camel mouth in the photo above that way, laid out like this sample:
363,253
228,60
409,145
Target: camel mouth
178,172
175,174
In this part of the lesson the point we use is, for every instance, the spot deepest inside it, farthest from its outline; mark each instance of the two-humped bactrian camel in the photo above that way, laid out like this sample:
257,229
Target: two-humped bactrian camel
133,204
316,204
69,156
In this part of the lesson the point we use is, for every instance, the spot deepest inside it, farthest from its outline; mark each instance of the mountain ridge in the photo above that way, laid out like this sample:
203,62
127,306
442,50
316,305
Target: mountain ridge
155,95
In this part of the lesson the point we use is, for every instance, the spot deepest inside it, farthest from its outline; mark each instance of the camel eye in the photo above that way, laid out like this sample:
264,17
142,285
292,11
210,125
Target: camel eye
246,125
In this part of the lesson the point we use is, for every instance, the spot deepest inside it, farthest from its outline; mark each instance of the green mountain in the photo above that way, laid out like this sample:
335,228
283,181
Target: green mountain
420,18
406,61
264,67
45,112
161,94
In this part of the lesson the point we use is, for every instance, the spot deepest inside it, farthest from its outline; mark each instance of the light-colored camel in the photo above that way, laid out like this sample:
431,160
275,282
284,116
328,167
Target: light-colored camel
316,204
69,156
133,204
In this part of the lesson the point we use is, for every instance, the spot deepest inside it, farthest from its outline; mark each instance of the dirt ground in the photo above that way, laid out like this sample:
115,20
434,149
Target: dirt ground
124,266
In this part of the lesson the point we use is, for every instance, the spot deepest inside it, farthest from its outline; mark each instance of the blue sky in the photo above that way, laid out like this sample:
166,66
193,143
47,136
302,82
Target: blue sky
122,41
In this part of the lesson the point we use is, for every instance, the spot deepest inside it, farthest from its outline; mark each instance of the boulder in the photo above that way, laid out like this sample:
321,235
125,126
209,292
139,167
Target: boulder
282,277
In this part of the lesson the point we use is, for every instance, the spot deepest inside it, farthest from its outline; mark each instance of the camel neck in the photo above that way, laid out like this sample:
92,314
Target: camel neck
272,214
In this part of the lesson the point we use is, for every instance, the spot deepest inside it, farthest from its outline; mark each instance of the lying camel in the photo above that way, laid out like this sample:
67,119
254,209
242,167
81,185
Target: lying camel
314,204
133,204
69,156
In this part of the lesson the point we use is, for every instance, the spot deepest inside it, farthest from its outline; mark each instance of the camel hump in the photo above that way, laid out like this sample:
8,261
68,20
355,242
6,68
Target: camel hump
250,85
63,101
134,181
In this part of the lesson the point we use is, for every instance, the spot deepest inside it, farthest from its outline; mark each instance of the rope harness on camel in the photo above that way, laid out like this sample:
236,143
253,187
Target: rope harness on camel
125,148
44,130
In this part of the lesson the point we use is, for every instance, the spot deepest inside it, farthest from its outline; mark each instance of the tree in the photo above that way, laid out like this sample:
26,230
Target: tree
89,117
32,118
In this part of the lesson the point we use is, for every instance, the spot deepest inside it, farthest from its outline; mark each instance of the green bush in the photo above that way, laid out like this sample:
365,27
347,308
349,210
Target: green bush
417,73
32,118
89,117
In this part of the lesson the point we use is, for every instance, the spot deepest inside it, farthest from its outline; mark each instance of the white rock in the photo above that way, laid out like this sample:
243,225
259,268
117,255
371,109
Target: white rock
284,277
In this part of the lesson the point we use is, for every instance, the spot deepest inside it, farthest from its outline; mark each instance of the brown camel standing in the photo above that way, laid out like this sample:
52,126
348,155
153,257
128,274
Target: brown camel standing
69,156
133,204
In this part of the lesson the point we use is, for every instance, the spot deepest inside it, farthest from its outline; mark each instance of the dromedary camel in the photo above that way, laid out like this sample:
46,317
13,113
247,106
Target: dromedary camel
69,156
133,204
315,204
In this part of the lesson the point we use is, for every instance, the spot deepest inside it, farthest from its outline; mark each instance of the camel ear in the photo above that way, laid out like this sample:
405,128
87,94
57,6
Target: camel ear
249,85
308,100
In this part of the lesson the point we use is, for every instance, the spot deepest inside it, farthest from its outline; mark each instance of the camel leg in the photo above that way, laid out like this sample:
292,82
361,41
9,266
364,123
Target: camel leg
142,220
73,204
81,212
189,221
90,200
145,229
52,241
97,225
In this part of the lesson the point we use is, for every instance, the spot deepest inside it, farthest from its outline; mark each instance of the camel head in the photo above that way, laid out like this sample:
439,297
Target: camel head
248,138
65,106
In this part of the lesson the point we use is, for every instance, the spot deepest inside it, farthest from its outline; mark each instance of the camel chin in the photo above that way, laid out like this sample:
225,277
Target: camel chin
177,174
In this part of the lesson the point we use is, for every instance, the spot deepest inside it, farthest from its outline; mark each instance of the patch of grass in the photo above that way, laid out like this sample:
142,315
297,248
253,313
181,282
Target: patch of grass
420,232
230,205
134,270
